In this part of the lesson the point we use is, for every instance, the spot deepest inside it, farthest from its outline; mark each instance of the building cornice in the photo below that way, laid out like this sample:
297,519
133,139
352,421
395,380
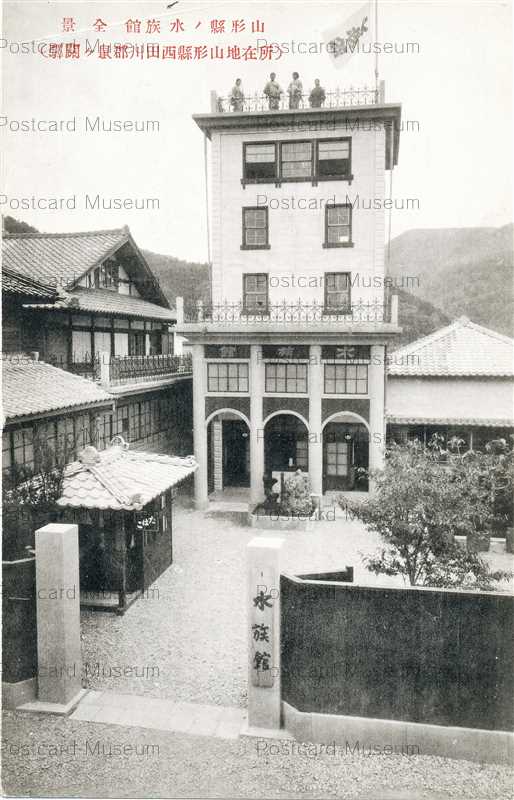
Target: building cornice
304,118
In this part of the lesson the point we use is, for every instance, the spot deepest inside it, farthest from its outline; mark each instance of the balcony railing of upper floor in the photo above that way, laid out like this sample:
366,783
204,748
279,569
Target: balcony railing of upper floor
335,98
289,313
119,370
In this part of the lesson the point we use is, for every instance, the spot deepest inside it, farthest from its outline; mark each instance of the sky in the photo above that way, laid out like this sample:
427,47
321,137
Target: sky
455,91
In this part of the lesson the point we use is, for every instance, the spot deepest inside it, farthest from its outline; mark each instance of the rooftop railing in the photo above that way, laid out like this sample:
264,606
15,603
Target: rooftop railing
118,370
129,369
287,313
335,98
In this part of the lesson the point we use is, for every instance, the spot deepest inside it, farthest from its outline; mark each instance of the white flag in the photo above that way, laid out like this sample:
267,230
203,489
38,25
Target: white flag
344,40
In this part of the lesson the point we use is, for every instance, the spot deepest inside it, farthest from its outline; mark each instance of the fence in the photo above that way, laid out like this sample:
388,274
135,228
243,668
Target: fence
421,655
336,98
124,369
289,313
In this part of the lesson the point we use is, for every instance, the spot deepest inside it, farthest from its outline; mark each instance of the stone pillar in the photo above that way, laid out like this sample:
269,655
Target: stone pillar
315,420
199,429
264,697
376,387
256,425
217,452
58,620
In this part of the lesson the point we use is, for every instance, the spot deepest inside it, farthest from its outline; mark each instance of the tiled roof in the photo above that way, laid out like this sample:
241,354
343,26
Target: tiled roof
460,349
59,258
489,422
121,479
32,388
13,283
103,301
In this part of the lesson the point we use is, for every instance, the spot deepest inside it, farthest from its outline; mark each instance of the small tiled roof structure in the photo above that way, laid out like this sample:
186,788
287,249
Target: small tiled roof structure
486,422
15,284
103,301
120,479
33,388
64,258
460,349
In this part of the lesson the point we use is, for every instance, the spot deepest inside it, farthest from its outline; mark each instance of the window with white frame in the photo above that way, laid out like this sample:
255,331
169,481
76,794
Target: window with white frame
338,225
295,160
255,292
346,378
259,162
227,377
255,228
337,292
286,378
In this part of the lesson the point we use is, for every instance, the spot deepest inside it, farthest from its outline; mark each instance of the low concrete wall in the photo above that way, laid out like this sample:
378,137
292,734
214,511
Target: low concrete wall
366,736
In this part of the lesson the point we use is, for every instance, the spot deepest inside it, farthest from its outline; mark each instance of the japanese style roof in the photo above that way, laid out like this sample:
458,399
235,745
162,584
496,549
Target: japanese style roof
120,479
460,349
487,422
64,258
103,301
33,388
14,283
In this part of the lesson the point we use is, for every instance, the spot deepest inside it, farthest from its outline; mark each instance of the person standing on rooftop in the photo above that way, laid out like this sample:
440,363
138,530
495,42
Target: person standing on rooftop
237,97
317,96
273,91
295,91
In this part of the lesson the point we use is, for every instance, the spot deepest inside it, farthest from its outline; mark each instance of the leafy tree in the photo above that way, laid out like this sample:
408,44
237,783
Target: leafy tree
29,499
427,495
12,225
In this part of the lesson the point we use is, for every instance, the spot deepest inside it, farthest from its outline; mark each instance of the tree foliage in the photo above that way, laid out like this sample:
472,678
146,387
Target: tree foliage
427,495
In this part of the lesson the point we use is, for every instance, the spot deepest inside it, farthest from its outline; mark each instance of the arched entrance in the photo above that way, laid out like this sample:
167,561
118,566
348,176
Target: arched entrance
286,443
228,451
345,454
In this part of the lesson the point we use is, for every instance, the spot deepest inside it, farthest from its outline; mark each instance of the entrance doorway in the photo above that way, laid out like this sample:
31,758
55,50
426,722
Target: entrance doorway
228,452
286,444
236,453
345,457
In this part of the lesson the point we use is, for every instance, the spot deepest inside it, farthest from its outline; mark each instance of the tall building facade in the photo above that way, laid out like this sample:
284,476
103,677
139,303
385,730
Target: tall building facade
289,358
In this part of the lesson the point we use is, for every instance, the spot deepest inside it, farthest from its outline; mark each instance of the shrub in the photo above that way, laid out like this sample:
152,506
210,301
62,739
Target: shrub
296,499
425,496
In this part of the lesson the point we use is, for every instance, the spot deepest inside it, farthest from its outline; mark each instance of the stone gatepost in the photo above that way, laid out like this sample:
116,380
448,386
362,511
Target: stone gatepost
264,698
58,620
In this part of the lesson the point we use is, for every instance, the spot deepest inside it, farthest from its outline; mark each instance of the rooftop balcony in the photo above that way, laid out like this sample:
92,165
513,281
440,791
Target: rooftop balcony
334,98
295,318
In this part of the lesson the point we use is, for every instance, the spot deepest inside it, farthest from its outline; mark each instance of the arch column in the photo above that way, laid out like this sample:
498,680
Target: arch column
376,388
256,425
315,421
199,427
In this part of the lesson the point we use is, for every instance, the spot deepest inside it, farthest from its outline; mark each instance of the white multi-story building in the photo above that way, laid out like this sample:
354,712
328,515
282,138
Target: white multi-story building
288,361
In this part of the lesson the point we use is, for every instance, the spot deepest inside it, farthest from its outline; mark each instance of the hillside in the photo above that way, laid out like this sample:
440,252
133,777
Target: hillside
190,280
417,318
460,271
187,279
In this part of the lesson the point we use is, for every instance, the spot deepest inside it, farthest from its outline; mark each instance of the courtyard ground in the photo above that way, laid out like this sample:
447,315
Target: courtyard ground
186,641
